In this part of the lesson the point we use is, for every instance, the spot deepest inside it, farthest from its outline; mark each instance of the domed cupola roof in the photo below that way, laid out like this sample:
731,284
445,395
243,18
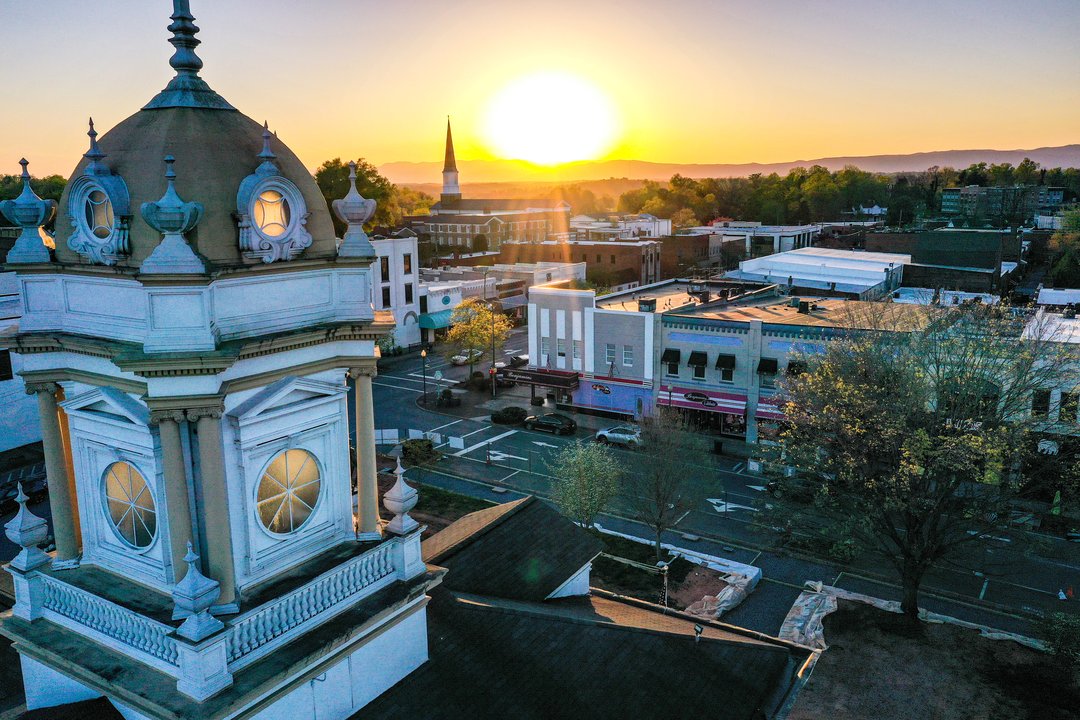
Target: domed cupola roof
260,202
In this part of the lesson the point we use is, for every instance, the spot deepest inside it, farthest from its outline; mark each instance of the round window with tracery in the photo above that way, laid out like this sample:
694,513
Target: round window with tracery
288,491
99,214
272,213
130,505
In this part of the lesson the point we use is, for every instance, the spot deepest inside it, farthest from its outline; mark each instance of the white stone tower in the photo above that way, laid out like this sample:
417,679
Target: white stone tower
190,342
451,191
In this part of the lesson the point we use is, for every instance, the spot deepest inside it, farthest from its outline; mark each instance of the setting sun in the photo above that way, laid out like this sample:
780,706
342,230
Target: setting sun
549,118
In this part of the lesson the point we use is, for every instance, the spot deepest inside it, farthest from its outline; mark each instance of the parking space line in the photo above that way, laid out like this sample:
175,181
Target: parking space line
482,443
453,422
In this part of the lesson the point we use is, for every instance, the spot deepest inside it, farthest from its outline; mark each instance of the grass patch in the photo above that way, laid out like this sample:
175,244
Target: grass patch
447,504
628,580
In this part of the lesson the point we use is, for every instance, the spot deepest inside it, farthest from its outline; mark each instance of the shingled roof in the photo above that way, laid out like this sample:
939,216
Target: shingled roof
596,657
523,550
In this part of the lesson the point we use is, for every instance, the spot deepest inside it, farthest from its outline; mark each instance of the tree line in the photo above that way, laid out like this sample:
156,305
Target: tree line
816,194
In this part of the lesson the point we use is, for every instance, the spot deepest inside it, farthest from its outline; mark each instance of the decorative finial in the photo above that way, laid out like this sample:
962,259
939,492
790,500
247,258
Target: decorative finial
192,598
27,531
400,499
29,212
354,210
187,89
267,153
172,217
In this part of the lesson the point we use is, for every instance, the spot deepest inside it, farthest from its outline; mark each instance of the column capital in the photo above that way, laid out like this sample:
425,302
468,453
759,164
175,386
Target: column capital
365,370
33,388
196,414
159,416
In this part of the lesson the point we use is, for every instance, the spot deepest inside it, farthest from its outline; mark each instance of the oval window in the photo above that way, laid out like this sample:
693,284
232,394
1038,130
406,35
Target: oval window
130,505
288,491
99,214
272,213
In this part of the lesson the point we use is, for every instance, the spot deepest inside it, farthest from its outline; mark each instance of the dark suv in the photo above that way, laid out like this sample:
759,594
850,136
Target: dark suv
552,422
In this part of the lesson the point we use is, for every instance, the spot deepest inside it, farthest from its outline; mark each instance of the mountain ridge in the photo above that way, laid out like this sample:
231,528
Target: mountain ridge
492,171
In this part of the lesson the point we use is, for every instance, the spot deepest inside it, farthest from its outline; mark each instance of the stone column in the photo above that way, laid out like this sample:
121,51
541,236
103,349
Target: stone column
69,463
367,485
61,500
177,508
218,550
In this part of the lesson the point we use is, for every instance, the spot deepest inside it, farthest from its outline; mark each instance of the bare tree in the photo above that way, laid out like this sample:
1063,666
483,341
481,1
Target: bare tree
656,487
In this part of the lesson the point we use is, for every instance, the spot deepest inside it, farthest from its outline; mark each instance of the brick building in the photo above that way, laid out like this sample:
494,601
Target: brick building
618,265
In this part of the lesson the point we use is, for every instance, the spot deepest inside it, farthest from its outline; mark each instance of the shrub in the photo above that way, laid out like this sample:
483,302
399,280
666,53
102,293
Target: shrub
509,415
418,452
1061,633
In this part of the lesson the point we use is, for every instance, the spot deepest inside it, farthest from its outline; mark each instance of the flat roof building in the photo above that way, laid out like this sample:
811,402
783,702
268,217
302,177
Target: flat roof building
858,275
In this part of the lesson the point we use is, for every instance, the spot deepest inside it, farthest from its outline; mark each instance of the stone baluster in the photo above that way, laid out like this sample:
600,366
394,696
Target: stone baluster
61,499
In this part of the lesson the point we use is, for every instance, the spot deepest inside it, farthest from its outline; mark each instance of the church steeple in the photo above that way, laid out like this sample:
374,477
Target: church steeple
450,189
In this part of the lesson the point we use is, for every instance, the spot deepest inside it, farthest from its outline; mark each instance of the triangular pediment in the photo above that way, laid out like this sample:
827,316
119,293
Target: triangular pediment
110,402
288,392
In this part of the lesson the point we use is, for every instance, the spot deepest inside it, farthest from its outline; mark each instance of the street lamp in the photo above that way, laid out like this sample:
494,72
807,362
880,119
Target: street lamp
423,357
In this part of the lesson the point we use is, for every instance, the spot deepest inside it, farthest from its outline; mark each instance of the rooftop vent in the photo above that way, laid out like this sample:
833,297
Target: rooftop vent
804,307
646,305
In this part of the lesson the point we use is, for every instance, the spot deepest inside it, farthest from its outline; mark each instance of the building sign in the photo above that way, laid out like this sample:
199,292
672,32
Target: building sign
614,396
562,380
700,399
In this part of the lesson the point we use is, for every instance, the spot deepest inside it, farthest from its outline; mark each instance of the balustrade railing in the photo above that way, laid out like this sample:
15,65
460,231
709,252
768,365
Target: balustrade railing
260,627
109,619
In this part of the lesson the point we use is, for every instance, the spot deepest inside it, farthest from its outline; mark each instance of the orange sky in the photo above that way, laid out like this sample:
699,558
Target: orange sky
690,80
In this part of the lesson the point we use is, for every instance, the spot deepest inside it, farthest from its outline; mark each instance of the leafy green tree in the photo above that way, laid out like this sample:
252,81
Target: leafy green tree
1027,172
473,325
684,218
333,179
586,479
903,432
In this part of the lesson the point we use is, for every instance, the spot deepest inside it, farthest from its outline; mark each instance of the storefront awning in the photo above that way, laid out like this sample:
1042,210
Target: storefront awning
435,320
691,399
698,359
725,362
766,411
766,366
671,355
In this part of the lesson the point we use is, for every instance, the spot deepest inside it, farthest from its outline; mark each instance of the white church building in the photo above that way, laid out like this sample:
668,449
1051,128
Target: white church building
191,343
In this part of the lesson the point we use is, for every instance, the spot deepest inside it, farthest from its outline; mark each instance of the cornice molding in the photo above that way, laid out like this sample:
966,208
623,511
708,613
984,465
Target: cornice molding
81,376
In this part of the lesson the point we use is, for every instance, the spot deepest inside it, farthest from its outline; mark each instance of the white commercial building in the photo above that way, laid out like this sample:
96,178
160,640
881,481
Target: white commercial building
864,275
757,239
613,226
396,285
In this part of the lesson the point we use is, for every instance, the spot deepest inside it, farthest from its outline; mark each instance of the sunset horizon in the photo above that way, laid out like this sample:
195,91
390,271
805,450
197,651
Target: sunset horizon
740,85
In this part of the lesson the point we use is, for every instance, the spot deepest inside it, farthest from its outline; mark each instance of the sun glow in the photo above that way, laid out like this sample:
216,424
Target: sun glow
549,118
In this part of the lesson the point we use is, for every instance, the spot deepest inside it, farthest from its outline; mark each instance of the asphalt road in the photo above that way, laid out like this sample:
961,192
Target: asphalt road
996,582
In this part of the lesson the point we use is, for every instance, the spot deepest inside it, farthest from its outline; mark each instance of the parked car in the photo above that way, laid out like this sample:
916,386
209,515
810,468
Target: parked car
552,422
466,358
625,435
519,361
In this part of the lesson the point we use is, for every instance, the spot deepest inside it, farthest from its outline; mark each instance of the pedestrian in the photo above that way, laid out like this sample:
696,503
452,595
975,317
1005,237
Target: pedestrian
1062,595
1069,592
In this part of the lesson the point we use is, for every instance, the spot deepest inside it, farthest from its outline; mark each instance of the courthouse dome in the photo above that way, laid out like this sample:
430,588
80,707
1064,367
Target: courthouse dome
225,161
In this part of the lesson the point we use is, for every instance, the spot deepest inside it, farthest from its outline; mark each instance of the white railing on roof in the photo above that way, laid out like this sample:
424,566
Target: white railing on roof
127,627
254,633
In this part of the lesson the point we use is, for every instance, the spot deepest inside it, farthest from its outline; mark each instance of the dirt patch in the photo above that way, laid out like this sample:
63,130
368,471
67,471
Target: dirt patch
880,666
699,582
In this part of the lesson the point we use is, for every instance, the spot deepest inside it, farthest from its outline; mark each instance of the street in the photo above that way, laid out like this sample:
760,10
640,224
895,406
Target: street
996,582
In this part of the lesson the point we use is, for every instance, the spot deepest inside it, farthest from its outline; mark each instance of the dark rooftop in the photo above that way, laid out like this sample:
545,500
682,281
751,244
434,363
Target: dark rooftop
523,550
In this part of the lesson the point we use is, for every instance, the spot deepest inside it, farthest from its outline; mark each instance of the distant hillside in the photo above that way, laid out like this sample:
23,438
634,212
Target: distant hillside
612,187
510,171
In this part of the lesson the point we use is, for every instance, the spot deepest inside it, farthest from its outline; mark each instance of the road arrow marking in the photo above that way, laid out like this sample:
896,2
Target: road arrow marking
544,444
759,488
500,456
724,507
